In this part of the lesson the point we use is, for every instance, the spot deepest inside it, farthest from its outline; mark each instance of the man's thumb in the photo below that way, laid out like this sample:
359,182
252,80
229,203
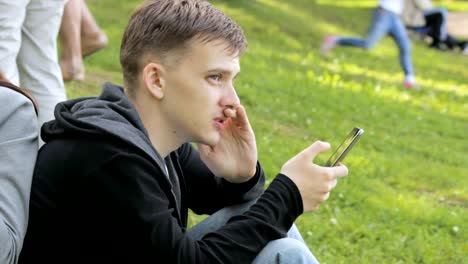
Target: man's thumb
316,148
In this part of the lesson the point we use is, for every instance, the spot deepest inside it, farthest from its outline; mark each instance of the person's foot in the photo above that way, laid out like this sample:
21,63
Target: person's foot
410,83
92,43
328,44
72,70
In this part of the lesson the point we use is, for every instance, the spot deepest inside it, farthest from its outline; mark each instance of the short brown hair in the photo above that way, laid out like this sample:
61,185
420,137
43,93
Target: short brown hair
160,26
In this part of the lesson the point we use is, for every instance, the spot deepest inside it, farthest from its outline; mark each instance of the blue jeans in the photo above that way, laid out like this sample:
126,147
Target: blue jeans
385,22
291,249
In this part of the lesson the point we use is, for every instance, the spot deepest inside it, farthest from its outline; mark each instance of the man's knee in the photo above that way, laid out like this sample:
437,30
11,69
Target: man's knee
369,44
292,247
286,250
405,48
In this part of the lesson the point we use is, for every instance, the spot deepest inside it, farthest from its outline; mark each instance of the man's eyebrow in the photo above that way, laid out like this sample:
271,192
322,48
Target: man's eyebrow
224,71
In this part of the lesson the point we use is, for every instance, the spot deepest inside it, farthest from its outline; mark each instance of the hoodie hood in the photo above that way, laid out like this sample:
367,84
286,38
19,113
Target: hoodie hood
110,114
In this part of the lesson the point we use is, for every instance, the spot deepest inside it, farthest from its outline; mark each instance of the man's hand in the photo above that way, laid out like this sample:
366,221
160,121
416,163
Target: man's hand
313,181
234,157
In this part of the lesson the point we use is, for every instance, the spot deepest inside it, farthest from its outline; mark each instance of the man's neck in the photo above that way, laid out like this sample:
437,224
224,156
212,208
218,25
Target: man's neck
162,135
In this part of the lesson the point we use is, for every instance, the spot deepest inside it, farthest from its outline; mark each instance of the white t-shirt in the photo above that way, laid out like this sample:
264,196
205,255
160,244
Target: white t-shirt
396,6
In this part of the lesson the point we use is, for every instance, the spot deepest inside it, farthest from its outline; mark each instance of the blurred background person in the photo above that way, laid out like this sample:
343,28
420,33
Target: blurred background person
80,36
18,152
422,16
385,21
28,50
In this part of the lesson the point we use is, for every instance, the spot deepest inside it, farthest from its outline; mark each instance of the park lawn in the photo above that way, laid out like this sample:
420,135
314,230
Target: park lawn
406,197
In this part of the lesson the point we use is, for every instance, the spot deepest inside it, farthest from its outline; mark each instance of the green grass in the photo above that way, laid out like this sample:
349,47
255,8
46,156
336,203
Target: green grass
405,199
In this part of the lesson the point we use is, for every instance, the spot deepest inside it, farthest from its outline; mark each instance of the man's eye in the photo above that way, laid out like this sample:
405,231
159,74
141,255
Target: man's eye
215,77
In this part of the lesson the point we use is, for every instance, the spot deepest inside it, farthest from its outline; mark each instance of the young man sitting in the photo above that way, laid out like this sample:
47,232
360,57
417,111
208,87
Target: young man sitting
118,173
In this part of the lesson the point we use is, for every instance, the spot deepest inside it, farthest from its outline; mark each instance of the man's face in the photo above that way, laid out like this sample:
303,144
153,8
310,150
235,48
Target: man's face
198,89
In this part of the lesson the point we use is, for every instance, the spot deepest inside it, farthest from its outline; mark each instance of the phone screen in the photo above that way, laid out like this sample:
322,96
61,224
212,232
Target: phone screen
345,146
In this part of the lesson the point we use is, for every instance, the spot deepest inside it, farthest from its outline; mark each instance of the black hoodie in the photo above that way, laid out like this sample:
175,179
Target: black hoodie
101,193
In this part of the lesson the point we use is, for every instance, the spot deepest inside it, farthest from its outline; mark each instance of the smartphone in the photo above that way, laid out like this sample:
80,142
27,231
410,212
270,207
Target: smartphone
340,153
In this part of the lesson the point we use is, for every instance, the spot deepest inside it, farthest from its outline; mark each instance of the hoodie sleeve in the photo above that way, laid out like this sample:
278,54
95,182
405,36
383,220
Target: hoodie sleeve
144,213
208,193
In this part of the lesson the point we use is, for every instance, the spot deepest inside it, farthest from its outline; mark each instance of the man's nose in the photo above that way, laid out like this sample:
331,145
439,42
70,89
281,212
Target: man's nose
230,98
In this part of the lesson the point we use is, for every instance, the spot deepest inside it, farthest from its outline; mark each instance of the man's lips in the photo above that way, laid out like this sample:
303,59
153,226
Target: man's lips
220,122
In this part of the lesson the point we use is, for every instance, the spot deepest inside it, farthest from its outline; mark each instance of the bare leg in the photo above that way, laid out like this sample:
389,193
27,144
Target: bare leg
92,37
71,61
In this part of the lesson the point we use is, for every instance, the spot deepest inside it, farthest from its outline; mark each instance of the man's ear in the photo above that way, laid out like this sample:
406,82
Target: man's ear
153,79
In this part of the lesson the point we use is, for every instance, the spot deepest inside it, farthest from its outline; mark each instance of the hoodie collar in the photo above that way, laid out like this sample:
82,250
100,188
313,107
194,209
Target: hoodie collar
110,114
